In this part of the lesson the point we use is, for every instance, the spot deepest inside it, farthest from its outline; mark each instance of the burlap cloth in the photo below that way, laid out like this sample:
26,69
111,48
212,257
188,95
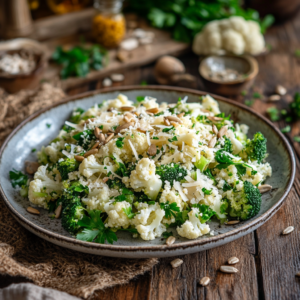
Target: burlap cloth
48,265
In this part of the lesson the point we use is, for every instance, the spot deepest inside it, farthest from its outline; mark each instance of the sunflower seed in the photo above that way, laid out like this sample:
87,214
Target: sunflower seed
31,166
33,210
124,126
106,82
154,110
212,142
91,152
181,115
215,129
280,90
222,131
143,130
175,124
176,262
204,281
105,179
58,211
167,122
102,138
127,118
205,110
233,222
214,119
89,121
170,240
264,188
117,77
96,145
109,137
127,108
79,158
152,150
97,132
233,260
174,119
274,98
228,269
288,230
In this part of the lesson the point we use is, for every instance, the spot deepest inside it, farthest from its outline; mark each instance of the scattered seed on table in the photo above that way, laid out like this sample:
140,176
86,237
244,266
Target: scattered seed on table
274,98
176,262
204,281
288,230
106,82
33,210
280,90
228,269
170,240
233,260
117,77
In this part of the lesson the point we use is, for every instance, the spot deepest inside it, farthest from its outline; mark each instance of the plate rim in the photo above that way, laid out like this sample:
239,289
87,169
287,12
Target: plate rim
252,225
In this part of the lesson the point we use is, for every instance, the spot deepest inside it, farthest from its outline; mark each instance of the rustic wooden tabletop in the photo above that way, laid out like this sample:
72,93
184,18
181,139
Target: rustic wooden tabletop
268,260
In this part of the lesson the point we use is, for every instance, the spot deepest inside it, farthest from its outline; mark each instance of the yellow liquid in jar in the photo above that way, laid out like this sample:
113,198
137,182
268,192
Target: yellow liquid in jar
109,30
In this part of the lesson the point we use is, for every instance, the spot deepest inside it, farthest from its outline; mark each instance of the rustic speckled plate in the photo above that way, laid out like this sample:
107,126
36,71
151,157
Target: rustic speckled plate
33,133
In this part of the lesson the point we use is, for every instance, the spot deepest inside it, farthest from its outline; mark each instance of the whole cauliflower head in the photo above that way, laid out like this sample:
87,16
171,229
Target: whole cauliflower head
192,228
155,228
233,41
143,178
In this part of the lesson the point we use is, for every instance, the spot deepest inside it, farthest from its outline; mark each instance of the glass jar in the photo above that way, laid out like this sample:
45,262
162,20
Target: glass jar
109,24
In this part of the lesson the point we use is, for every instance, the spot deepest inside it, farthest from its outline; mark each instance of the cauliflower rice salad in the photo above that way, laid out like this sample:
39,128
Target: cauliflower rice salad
144,168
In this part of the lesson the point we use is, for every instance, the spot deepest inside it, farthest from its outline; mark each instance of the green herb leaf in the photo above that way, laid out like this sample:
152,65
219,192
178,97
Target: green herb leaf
119,142
167,234
170,209
286,129
48,125
168,129
128,212
297,139
17,178
273,113
140,98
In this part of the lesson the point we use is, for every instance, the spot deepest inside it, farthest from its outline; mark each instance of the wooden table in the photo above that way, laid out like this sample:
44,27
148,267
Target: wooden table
268,260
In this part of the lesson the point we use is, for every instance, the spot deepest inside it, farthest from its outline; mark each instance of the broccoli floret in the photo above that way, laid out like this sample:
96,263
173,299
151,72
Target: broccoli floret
70,216
246,203
170,173
256,149
228,145
73,191
85,138
67,166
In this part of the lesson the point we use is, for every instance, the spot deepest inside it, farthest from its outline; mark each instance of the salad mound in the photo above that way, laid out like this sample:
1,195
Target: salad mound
145,167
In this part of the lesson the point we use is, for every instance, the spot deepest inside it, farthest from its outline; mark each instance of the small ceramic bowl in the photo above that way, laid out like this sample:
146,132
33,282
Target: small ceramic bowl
13,83
245,66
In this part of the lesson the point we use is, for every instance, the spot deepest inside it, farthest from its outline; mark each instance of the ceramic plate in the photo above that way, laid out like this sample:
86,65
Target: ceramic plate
33,133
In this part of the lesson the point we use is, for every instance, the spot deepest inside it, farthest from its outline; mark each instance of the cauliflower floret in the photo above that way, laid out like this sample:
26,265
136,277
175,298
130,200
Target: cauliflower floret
193,228
149,102
143,178
53,151
121,100
44,187
155,229
171,195
90,166
211,104
117,217
144,211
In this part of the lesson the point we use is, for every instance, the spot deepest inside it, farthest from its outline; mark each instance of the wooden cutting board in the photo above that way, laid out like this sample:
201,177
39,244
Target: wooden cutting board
162,44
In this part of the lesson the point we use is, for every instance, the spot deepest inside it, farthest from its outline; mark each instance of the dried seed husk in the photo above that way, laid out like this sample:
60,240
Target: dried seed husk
91,152
143,130
176,262
173,119
154,110
124,126
58,211
280,90
274,98
109,137
97,132
204,281
33,210
233,260
127,108
228,269
167,122
264,188
205,110
127,119
79,158
233,222
215,129
181,115
288,230
31,167
97,143
170,240
222,131
105,179
152,150
212,142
